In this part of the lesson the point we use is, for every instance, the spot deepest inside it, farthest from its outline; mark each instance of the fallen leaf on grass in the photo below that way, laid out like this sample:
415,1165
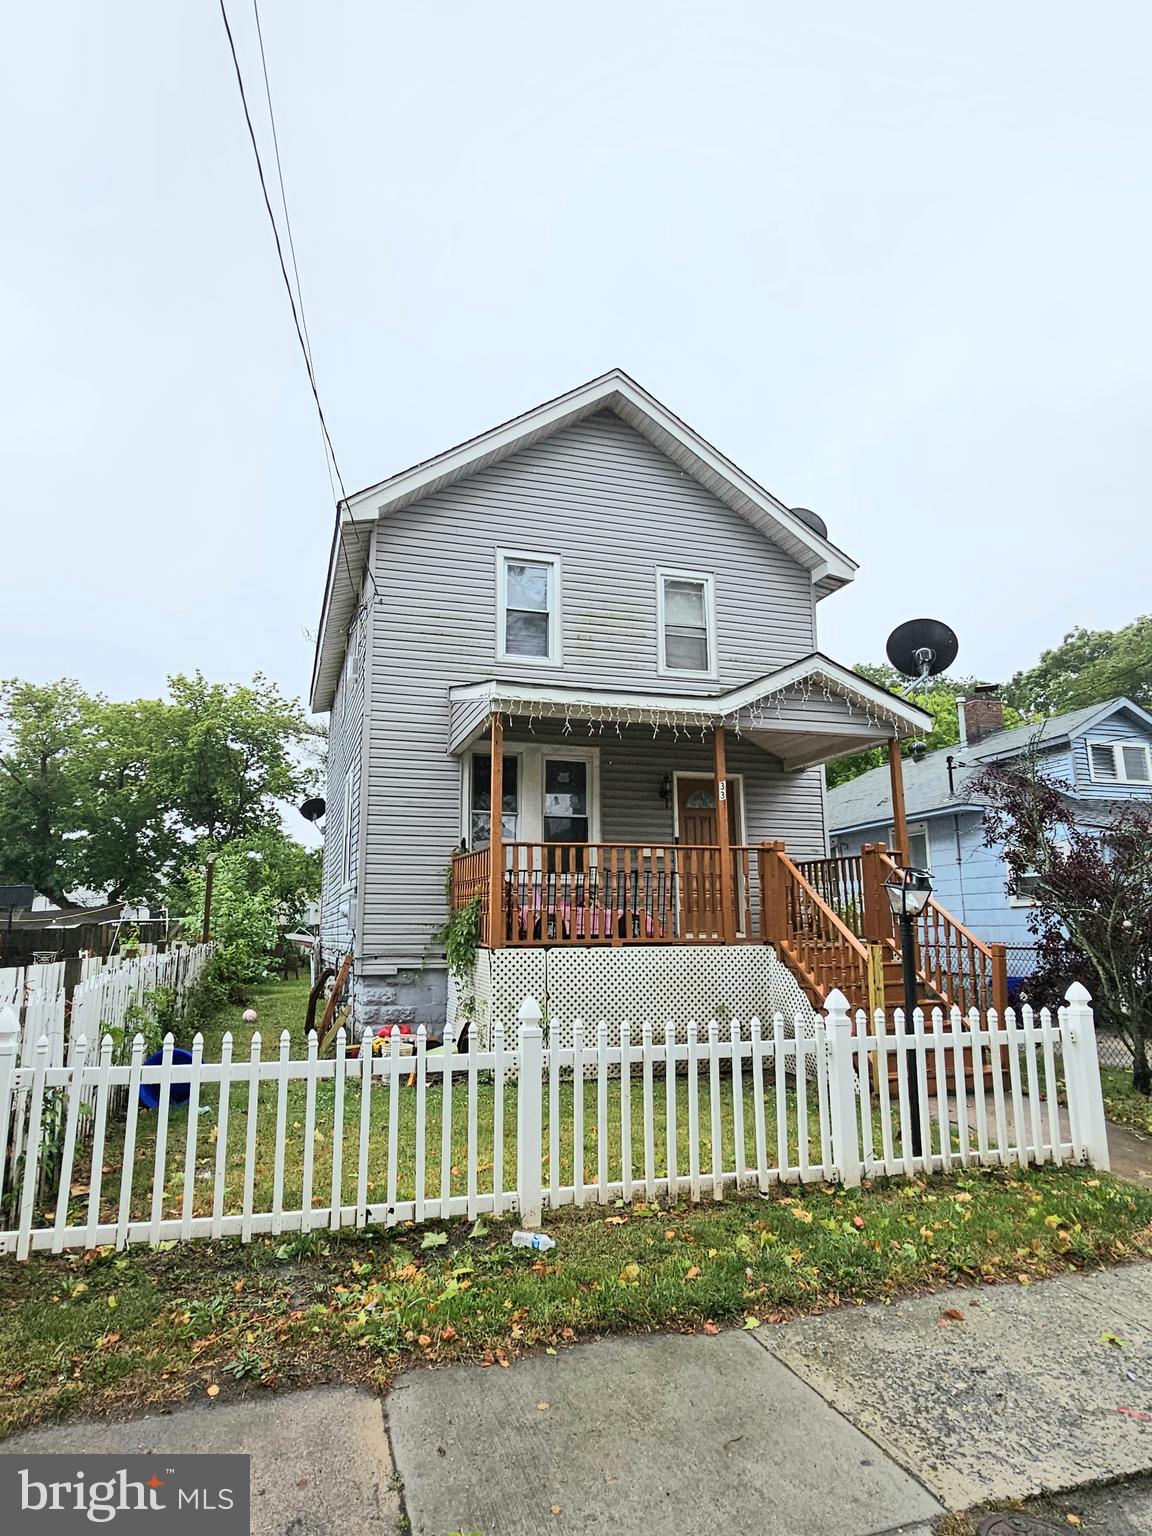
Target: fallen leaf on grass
693,1273
1073,1519
615,1221
630,1274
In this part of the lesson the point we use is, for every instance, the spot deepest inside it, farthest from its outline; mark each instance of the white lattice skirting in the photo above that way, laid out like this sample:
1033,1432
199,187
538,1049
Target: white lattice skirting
657,983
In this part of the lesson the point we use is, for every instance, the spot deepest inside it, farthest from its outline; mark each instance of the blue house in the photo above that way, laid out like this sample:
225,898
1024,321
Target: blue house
1104,753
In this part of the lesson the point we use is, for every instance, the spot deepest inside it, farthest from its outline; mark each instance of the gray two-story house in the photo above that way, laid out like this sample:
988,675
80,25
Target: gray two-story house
576,693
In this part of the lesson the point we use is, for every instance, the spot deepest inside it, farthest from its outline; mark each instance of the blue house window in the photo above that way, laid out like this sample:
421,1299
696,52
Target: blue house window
1119,762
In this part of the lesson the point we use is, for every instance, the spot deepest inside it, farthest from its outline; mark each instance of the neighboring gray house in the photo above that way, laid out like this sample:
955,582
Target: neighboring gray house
1104,754
630,621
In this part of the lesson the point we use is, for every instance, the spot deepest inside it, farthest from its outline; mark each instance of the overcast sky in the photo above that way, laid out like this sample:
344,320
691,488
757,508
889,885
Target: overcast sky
891,258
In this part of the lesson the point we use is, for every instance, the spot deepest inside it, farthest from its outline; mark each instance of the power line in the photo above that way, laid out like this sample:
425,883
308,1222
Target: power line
296,307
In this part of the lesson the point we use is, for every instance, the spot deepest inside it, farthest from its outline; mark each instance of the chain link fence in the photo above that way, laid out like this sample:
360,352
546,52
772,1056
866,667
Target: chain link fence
1022,966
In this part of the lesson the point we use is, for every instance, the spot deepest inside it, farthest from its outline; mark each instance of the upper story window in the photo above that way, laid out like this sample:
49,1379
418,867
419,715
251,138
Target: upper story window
528,607
686,621
1119,762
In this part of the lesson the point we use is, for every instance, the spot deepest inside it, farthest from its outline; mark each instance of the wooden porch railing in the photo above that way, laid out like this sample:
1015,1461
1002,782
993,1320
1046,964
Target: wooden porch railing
469,879
829,918
839,882
808,932
614,893
961,969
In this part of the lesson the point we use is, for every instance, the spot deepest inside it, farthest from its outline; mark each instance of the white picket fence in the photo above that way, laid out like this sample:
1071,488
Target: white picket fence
292,1144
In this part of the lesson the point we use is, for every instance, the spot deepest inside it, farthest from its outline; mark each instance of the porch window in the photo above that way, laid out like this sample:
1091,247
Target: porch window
528,617
480,803
685,615
1119,762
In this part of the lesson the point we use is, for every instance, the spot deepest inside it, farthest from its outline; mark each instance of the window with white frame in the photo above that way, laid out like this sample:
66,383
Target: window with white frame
1119,762
480,799
1022,887
686,620
528,607
919,845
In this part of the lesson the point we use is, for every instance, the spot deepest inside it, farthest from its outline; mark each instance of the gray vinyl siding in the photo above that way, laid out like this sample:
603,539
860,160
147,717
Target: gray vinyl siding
614,509
345,765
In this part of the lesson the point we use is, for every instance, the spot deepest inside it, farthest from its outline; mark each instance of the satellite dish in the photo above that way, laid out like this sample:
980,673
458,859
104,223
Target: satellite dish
312,810
813,520
922,648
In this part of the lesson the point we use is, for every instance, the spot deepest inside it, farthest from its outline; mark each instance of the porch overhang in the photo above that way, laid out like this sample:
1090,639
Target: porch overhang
811,711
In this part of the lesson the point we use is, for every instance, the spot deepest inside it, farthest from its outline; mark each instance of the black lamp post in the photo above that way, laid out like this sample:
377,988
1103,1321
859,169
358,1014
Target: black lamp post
908,891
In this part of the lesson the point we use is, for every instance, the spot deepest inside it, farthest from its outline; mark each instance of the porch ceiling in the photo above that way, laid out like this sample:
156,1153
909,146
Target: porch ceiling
808,712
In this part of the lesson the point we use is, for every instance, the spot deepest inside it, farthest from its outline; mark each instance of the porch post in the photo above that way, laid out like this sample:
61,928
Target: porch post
496,836
727,891
899,819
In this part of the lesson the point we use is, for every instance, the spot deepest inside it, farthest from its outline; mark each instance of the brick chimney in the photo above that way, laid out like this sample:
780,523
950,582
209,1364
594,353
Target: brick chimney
982,715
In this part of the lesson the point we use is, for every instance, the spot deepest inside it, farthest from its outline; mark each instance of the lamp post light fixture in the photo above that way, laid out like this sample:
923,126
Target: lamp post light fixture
908,891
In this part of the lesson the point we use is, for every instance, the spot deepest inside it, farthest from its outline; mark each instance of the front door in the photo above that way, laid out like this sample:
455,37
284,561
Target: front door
699,864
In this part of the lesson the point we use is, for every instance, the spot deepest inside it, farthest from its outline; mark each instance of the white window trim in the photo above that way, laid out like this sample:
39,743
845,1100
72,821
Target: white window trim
531,786
554,657
1116,748
1062,845
669,573
915,829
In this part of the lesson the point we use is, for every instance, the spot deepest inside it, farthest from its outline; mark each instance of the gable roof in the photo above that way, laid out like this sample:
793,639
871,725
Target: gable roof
830,567
866,800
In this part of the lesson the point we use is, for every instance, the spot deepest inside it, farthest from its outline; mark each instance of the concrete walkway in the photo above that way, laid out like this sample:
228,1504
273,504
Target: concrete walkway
865,1420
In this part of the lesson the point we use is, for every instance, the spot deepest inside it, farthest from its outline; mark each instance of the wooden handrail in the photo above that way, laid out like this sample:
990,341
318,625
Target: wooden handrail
963,970
819,946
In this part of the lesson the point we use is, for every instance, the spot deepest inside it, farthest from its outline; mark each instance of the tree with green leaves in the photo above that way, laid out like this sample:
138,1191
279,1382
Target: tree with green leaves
1090,878
40,787
113,796
1088,667
938,696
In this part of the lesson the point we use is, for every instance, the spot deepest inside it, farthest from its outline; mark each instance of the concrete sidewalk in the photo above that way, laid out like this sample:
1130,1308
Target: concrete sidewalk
865,1420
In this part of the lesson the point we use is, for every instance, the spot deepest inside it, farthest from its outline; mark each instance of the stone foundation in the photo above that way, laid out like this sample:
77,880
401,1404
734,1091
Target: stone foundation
413,997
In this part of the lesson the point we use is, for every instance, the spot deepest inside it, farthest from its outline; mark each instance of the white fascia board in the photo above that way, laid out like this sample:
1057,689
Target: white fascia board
609,390
1114,707
838,678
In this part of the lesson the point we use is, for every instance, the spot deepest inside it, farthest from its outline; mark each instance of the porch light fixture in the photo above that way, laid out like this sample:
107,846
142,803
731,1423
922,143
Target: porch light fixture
666,788
908,891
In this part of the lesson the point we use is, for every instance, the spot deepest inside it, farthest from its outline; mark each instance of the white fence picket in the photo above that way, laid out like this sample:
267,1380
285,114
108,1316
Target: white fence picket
821,1098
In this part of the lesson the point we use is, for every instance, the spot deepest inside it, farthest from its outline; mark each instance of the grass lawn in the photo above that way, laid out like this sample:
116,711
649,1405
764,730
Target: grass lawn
1121,1101
281,1006
108,1333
